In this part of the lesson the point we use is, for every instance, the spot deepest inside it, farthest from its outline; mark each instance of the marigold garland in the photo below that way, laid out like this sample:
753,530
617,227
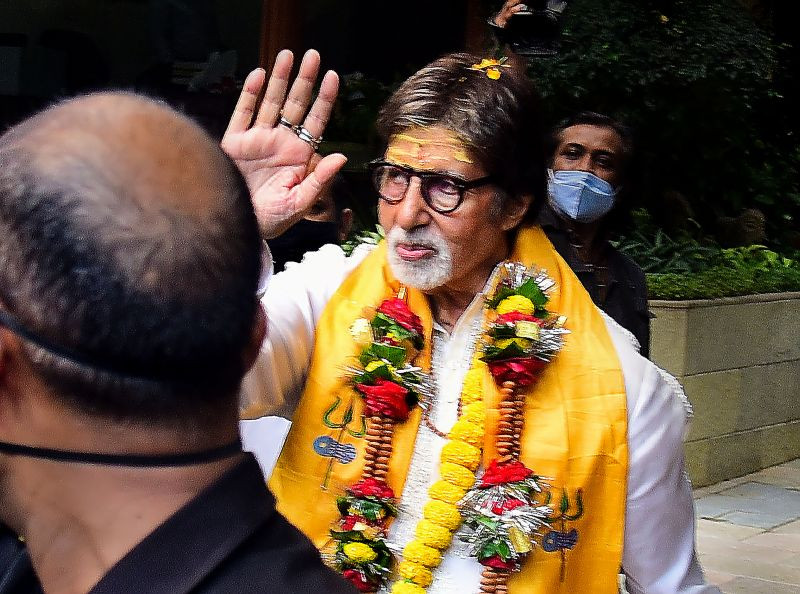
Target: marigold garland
517,346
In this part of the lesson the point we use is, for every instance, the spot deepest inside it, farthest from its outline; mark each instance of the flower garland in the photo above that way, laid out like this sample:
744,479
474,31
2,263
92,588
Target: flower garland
390,387
501,509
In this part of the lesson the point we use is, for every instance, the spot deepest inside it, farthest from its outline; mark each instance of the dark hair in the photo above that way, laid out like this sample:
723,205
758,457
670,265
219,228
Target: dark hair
158,302
592,118
498,119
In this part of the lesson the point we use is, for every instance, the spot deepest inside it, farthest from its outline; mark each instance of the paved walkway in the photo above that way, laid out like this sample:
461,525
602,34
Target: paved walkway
748,534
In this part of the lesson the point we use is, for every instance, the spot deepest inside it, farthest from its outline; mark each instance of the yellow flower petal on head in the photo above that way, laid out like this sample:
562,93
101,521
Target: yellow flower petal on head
461,453
516,303
420,553
443,514
444,491
433,535
457,475
419,574
493,73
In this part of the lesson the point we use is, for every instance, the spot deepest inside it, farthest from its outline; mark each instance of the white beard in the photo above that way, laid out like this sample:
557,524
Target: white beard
425,274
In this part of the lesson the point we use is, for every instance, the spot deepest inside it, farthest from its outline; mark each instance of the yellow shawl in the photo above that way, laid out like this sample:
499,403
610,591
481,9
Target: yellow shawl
574,434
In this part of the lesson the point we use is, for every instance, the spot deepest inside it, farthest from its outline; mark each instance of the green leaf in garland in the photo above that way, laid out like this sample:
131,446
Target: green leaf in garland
503,550
511,351
396,355
532,291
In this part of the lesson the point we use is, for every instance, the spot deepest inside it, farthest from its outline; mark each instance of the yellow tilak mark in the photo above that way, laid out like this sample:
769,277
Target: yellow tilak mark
457,146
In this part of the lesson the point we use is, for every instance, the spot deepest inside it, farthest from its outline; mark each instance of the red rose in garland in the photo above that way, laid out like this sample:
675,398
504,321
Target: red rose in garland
522,370
497,563
510,472
371,487
358,579
385,398
398,310
514,317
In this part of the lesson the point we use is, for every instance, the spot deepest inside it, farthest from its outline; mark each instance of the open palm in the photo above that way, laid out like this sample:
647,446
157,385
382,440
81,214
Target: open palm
283,171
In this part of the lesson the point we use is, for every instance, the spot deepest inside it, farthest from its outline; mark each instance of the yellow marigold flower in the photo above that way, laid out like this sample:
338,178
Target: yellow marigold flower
474,413
415,572
516,303
493,73
407,588
359,552
464,430
443,514
433,535
457,475
444,491
472,390
416,552
462,453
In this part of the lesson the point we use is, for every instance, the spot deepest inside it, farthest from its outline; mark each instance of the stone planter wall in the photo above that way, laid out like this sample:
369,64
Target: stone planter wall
738,359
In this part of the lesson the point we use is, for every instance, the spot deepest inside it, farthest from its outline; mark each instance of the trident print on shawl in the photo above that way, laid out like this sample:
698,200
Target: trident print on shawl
333,448
563,540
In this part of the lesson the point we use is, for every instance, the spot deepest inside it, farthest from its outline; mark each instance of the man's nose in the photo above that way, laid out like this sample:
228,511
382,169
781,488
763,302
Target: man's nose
412,210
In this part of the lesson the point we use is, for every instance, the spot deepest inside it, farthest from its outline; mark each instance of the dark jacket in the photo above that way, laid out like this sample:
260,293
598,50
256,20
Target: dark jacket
229,539
626,295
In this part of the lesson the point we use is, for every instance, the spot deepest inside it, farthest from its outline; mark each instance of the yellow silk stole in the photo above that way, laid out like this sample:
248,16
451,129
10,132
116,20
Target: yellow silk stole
574,434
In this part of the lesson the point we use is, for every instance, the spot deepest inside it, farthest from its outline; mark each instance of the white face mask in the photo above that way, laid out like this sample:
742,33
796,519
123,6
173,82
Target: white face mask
580,195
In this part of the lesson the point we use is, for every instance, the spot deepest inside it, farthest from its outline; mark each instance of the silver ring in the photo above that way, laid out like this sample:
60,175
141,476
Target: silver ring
306,136
284,122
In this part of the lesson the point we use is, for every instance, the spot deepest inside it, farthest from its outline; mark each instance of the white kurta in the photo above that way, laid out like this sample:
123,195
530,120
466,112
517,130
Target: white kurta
659,555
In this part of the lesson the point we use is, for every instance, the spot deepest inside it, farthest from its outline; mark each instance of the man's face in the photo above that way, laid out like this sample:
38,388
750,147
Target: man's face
596,149
429,250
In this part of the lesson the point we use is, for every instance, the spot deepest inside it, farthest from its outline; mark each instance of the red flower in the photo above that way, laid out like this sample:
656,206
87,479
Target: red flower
497,562
500,474
507,505
371,487
398,310
515,316
358,579
520,370
386,399
351,520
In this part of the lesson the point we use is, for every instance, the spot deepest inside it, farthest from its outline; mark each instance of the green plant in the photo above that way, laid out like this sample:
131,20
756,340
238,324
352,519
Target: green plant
661,254
736,271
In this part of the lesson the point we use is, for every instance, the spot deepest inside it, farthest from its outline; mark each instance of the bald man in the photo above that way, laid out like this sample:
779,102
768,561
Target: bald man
129,261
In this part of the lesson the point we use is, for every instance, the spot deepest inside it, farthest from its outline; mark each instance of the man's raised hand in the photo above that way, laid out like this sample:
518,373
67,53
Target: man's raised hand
275,149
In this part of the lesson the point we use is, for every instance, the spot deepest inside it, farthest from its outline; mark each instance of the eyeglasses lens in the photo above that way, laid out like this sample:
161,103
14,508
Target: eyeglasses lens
439,191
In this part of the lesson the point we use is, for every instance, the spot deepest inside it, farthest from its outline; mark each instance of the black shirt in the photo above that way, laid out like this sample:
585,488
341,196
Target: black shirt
625,297
227,540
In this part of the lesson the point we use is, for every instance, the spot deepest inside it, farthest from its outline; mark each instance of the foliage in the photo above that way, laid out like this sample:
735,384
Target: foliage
736,271
696,81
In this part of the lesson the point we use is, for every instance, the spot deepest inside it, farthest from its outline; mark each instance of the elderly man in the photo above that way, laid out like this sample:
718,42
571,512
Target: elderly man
448,487
128,316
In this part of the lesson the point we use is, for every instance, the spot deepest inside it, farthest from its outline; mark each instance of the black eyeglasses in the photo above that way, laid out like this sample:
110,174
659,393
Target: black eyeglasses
441,191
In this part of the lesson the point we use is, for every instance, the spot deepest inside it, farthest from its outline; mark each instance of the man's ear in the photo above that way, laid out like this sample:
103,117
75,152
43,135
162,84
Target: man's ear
514,211
257,336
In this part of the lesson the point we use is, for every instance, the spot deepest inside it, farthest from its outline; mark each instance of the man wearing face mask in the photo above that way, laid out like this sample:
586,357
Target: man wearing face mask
591,153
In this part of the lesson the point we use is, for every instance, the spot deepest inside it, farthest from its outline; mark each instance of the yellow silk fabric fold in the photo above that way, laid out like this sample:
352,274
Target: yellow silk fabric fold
574,434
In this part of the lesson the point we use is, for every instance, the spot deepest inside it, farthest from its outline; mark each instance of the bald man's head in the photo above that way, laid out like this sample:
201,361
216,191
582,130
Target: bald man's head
127,238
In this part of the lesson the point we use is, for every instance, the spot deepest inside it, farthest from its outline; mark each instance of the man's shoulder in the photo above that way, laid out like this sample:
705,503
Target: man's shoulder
276,558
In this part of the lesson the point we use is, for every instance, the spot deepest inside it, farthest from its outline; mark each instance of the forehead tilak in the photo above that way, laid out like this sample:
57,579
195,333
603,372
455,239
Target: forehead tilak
405,146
